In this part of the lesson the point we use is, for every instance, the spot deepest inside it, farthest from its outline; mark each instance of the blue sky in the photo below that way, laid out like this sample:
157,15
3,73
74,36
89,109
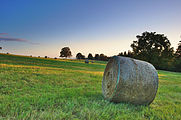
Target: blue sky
43,27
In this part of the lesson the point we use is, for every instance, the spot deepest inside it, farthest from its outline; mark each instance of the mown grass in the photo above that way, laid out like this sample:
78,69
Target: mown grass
37,88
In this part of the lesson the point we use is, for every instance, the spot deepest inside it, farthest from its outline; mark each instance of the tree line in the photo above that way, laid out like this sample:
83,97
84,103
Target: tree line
90,57
66,52
155,49
149,46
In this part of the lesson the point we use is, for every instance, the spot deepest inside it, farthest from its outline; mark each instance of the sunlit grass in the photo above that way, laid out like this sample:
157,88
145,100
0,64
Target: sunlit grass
39,88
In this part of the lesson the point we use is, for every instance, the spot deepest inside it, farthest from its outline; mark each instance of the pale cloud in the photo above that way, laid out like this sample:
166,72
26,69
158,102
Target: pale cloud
3,33
14,39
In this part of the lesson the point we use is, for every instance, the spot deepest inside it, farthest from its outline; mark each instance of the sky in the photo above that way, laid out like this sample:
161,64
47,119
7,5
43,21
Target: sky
43,27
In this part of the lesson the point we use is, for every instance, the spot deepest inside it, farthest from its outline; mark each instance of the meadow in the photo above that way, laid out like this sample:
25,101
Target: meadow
38,88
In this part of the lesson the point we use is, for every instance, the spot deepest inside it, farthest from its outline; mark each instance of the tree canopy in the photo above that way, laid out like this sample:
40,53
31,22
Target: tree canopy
80,56
65,52
96,56
90,56
153,48
103,57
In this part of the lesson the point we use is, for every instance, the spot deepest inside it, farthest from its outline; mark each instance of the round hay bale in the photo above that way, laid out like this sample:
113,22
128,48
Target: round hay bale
129,80
87,61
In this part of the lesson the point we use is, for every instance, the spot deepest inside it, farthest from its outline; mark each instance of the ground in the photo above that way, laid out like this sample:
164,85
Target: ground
39,88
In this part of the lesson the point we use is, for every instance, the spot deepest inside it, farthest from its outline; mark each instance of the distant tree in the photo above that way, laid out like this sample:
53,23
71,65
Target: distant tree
80,56
90,56
103,57
1,48
46,57
130,54
121,54
65,52
125,54
154,48
96,57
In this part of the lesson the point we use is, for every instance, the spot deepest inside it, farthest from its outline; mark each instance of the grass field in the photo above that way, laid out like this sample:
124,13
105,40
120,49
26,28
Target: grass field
39,88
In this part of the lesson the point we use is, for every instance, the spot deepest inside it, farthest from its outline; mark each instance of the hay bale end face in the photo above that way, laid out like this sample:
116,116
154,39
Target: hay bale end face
129,80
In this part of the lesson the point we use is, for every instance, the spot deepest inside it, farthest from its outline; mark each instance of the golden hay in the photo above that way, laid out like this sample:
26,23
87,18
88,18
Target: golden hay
129,80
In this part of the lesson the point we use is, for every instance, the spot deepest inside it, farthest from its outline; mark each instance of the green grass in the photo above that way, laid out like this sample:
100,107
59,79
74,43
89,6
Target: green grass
38,88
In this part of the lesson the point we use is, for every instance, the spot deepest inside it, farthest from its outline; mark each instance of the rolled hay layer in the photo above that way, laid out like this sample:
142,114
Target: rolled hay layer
129,80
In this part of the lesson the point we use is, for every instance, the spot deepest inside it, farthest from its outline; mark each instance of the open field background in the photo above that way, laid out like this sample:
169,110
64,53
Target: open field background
39,88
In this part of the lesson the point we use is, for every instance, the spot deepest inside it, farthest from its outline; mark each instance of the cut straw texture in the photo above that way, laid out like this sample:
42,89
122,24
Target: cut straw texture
129,80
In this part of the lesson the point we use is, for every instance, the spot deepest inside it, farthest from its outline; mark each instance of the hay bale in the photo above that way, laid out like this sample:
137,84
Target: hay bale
87,61
129,80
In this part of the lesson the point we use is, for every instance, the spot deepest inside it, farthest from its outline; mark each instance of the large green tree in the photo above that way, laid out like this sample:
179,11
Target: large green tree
65,52
154,48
